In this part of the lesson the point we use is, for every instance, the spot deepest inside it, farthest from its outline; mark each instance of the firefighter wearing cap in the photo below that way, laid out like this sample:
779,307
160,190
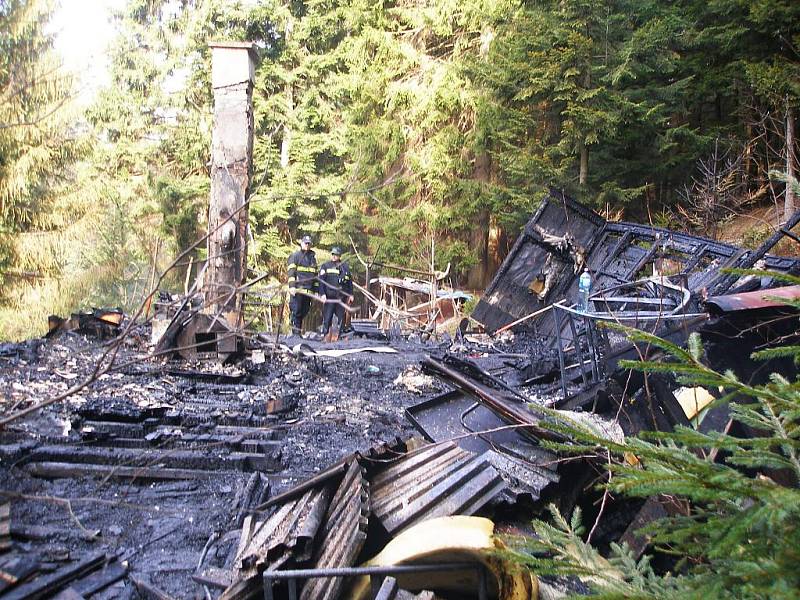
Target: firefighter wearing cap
302,271
336,283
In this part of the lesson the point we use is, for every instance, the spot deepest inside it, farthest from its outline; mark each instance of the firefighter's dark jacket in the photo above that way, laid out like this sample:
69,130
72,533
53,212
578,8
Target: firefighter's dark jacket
302,271
336,280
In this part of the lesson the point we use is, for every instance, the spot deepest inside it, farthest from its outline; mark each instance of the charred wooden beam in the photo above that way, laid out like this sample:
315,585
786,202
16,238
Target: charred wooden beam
47,585
251,495
147,590
332,472
100,580
168,459
343,534
68,594
50,470
15,570
654,508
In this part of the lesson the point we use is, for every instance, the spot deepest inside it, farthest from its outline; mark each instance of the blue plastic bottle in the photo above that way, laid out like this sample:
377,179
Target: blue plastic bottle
584,288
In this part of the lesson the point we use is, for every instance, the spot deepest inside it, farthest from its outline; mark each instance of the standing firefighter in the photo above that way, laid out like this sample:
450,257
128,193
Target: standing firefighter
302,282
337,286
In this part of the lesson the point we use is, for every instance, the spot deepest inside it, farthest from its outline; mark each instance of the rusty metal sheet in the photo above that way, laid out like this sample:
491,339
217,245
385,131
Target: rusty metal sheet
771,298
436,481
343,533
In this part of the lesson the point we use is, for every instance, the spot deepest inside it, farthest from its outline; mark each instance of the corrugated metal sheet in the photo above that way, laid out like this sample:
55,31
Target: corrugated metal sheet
343,534
439,480
526,468
286,534
771,298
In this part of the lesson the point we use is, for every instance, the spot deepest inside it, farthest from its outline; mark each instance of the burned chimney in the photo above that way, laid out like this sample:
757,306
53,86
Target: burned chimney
232,77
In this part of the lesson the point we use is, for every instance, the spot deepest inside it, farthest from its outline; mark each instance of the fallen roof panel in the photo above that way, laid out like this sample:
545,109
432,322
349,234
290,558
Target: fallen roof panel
343,534
439,480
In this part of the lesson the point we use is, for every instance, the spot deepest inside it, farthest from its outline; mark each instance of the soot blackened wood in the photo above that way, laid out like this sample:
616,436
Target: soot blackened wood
95,582
50,470
14,569
68,594
171,459
653,409
47,585
148,590
654,508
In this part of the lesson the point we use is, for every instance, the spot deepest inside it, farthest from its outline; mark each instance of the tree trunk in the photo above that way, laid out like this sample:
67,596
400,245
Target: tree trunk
583,150
789,202
584,153
286,142
479,236
499,247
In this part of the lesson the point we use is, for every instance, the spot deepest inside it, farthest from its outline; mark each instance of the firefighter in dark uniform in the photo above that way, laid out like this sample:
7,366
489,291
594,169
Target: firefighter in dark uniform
302,281
336,282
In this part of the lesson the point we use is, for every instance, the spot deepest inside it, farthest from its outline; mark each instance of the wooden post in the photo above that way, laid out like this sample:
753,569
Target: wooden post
232,76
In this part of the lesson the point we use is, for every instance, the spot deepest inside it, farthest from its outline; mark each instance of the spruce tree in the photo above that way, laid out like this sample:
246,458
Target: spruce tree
37,151
738,537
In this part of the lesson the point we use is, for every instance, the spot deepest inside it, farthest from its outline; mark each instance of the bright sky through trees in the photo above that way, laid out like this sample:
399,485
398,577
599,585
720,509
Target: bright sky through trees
83,31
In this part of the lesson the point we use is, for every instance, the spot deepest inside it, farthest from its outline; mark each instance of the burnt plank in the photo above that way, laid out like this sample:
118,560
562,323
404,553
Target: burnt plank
669,404
623,241
652,510
44,532
53,470
147,590
100,580
68,594
645,258
15,569
47,585
215,577
175,459
113,428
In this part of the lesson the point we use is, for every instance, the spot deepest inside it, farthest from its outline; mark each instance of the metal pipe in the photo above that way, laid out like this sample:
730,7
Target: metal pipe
355,571
625,316
293,574
483,586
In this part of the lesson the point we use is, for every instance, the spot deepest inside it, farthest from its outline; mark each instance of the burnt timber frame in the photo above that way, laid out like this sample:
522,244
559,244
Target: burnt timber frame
613,252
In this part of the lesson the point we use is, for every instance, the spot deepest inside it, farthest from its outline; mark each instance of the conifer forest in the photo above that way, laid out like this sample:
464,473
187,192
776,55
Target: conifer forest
395,124
599,200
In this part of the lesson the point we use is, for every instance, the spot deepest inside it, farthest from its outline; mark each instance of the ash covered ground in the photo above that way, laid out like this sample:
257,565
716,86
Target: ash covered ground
163,529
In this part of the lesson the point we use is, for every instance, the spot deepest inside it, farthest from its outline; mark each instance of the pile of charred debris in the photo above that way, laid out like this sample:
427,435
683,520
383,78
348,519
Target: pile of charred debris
366,468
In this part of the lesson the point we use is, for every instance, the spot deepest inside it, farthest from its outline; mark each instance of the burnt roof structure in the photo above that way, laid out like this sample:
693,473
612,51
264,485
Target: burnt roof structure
564,237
